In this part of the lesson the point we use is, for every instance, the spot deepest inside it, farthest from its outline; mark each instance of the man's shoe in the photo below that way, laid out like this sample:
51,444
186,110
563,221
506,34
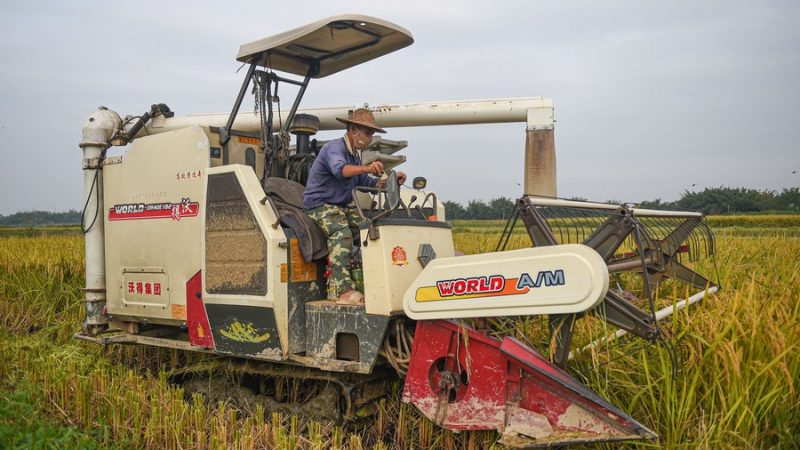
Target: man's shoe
350,297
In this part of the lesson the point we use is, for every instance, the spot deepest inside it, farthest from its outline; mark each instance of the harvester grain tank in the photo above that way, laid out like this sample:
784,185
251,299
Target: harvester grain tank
196,240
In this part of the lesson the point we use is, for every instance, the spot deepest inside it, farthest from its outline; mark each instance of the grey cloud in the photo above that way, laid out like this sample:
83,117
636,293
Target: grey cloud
650,97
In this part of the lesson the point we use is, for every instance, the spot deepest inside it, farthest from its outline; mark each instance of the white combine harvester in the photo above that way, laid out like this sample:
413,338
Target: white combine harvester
195,240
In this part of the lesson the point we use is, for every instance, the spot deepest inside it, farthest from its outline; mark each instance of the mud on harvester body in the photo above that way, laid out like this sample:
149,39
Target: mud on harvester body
196,240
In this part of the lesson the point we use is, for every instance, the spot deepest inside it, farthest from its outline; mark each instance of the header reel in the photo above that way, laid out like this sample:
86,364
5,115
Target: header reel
650,244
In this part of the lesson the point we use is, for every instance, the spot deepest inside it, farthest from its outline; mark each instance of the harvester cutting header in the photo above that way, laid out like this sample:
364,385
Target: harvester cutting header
197,239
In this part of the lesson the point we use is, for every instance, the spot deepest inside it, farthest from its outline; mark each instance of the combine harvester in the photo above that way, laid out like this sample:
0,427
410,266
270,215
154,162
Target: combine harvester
195,241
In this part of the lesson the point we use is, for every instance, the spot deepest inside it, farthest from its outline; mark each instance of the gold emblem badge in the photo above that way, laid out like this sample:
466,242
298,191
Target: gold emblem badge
399,257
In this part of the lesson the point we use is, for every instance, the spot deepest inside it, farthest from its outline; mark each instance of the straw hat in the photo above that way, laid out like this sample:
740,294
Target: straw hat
363,118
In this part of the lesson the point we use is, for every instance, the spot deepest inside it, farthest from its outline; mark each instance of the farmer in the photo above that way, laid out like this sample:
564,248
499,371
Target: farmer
329,194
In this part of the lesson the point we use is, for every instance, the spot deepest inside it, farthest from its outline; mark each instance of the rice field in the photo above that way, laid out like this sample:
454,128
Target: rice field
736,385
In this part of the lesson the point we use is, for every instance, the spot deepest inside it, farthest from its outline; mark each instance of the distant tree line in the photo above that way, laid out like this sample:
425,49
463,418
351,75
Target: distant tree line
724,200
40,218
499,208
721,200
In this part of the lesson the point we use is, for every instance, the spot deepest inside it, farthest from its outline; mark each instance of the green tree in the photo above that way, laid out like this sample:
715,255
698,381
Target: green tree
789,199
476,209
723,200
656,204
41,218
501,208
453,211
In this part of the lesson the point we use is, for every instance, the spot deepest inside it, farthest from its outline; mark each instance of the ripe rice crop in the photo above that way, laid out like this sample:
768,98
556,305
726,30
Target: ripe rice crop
736,386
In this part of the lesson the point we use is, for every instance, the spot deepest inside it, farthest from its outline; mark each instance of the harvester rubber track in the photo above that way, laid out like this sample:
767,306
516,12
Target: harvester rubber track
315,394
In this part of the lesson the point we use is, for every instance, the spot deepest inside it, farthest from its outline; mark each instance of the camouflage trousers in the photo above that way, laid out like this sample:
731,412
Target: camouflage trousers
340,225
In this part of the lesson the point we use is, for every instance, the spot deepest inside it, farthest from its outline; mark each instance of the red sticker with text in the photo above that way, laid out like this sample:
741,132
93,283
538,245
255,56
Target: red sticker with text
137,211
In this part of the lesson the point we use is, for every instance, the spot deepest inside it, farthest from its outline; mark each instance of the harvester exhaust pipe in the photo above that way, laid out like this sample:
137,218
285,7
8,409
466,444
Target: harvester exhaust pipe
98,130
303,127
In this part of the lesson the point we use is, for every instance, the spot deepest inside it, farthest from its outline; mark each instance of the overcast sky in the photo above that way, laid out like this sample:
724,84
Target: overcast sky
651,98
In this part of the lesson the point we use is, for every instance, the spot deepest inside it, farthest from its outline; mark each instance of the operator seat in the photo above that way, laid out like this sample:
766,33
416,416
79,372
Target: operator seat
287,195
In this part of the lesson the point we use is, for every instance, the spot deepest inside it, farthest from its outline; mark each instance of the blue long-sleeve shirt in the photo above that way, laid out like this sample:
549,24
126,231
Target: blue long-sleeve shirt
326,184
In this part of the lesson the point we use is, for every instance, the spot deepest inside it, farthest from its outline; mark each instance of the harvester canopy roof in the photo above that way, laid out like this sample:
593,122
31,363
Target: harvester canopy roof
332,44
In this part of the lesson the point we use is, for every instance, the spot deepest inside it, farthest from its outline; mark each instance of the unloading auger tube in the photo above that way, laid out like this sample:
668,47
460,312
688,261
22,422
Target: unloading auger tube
535,112
193,243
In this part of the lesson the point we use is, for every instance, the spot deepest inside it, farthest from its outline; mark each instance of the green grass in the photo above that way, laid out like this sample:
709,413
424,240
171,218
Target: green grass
737,386
23,426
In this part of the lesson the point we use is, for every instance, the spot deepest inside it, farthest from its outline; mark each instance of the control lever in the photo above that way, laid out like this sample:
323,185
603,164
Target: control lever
417,208
433,217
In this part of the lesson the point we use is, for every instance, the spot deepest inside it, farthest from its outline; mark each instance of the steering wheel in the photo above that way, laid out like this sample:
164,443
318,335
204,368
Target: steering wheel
392,192
388,199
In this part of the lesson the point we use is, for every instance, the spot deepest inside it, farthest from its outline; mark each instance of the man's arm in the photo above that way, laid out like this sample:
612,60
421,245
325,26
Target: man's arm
374,168
352,170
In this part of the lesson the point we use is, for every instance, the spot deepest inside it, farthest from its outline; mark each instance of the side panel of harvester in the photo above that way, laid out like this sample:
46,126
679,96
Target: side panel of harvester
533,281
394,260
152,218
193,247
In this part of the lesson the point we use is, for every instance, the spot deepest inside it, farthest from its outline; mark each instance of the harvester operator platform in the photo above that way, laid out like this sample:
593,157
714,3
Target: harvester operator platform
328,197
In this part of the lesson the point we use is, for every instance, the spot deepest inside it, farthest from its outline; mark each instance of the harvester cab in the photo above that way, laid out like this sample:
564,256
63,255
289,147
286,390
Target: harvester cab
196,240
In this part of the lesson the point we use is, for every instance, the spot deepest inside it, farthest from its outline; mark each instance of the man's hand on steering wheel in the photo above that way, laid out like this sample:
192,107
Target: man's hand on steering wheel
401,179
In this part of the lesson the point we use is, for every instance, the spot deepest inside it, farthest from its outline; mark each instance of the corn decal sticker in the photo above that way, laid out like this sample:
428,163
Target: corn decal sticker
243,332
